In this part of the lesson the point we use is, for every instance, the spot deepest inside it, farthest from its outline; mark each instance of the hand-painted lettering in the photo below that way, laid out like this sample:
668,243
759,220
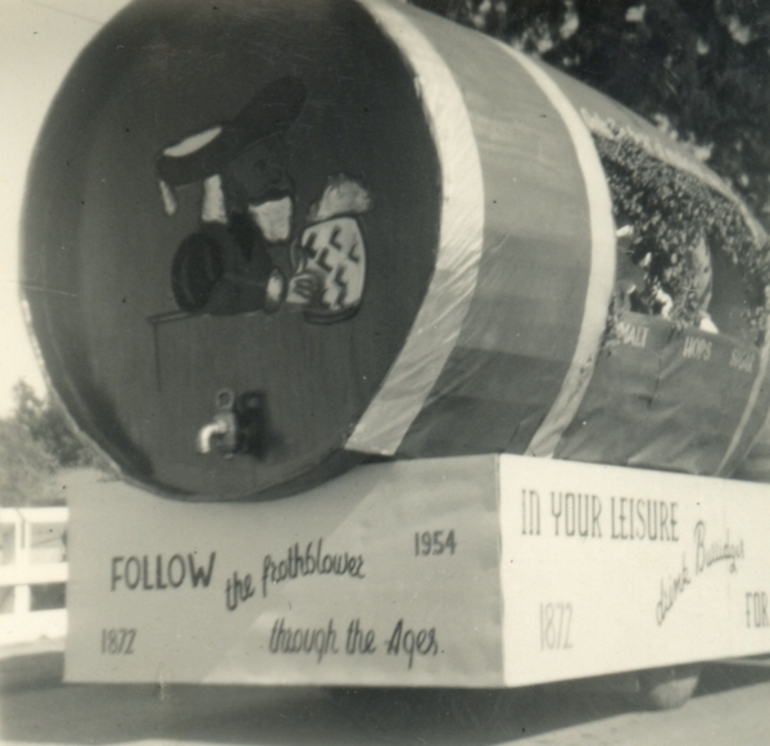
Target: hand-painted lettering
635,518
756,610
697,348
312,562
576,514
161,572
318,641
411,643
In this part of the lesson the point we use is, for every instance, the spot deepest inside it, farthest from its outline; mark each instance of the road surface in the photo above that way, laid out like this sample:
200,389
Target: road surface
731,706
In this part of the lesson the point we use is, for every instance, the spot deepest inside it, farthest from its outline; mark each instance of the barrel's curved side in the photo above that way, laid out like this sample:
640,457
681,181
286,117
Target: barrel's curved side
435,330
522,327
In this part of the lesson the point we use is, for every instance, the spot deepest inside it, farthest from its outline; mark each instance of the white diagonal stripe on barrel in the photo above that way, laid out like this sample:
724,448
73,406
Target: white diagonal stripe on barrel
601,277
437,325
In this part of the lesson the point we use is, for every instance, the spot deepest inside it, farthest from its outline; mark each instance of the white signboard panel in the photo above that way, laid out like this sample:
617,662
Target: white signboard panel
609,569
387,574
474,571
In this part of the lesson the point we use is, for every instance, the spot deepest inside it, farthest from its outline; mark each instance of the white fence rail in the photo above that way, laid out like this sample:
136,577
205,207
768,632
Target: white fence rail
33,554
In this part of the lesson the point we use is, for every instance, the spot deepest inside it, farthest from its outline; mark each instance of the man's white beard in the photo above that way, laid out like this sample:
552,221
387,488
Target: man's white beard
273,218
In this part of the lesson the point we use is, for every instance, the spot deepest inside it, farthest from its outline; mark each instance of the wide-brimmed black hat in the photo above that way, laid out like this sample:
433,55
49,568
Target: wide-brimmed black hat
270,112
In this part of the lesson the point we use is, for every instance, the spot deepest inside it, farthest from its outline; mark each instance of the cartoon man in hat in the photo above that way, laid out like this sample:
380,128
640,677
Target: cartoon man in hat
247,211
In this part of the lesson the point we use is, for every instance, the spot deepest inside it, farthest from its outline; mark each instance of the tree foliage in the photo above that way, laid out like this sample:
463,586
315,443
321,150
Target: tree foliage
48,425
35,443
673,227
26,467
699,68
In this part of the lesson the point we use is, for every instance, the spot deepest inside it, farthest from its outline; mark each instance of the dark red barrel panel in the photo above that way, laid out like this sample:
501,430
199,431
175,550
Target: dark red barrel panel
297,235
244,197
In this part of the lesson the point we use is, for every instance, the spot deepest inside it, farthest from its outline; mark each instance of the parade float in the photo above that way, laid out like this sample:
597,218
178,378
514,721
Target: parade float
416,358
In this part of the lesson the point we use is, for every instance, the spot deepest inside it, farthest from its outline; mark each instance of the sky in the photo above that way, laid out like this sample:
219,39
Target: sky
39,40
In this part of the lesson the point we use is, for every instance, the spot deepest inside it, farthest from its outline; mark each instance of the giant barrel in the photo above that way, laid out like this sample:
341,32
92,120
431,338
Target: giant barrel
265,240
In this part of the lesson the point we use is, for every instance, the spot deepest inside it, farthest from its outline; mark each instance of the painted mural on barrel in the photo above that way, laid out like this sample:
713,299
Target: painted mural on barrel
263,244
